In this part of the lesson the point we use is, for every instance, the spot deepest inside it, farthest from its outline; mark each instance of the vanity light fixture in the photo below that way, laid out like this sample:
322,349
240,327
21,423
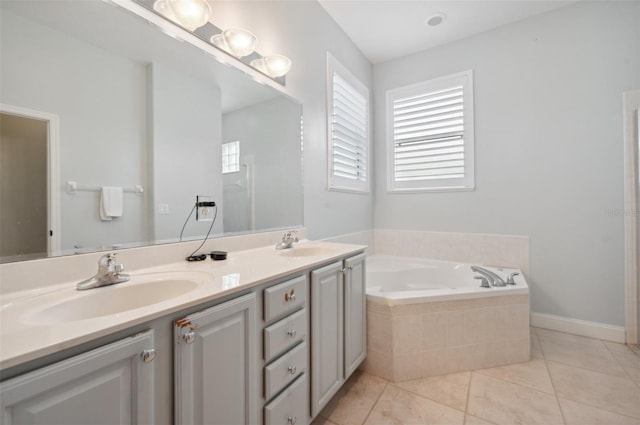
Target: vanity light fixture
191,14
273,65
236,41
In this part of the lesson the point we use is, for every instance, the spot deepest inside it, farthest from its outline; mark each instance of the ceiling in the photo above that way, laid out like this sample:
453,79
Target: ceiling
388,29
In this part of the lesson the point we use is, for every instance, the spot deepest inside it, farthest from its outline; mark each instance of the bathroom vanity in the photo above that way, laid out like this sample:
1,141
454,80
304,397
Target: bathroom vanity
266,337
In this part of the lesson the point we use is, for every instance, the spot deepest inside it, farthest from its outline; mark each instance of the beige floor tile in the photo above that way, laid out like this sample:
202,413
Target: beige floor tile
319,420
629,361
585,353
533,374
400,407
612,393
353,402
447,389
505,403
536,352
580,414
472,420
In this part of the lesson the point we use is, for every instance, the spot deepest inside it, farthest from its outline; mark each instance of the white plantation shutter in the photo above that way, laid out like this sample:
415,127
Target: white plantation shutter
431,135
348,129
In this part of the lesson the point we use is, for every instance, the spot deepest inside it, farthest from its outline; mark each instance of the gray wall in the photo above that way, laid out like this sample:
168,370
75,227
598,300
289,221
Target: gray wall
548,143
269,132
91,147
184,151
304,32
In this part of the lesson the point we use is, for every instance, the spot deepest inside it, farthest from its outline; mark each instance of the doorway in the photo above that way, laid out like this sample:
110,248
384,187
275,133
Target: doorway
631,111
29,192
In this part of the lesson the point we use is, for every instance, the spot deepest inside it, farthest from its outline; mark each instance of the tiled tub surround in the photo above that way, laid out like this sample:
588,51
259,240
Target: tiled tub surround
474,248
439,331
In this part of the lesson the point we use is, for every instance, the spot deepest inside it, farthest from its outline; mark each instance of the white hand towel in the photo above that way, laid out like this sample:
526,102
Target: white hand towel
111,202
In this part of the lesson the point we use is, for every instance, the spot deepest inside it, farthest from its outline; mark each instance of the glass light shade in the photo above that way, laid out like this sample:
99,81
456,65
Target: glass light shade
277,65
220,42
259,65
241,42
191,14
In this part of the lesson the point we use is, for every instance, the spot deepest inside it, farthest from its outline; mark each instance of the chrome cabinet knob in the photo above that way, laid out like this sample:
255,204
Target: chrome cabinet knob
148,355
291,420
290,296
189,337
292,370
291,333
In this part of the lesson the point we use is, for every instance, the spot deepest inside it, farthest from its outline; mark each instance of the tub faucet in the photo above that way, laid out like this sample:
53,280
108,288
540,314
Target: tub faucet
109,273
287,240
491,276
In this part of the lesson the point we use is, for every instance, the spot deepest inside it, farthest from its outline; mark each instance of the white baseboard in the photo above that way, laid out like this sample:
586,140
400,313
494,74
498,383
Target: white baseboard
578,327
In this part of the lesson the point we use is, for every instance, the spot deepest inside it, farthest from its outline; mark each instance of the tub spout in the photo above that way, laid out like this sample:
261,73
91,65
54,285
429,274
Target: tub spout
491,276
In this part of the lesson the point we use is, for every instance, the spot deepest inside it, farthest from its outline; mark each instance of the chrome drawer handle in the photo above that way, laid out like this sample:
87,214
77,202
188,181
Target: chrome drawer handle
291,333
291,420
292,370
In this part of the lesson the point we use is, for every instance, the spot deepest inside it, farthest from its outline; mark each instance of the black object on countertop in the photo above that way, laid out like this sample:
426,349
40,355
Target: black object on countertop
218,255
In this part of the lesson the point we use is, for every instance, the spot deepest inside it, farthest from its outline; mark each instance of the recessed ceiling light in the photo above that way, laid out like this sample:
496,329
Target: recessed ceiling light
435,19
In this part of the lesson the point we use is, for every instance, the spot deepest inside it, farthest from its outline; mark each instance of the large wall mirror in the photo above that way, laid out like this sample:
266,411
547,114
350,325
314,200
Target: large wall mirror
94,96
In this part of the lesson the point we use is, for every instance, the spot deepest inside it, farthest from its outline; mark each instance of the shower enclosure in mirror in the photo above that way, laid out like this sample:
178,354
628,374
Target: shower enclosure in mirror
116,102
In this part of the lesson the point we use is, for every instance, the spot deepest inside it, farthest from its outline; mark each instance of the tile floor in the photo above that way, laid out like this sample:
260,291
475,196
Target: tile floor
569,380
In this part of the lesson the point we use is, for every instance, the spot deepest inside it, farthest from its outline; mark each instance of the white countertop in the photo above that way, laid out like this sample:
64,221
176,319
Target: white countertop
27,332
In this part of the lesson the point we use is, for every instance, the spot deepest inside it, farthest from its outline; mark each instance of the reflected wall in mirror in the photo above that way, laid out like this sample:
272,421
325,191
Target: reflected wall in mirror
127,106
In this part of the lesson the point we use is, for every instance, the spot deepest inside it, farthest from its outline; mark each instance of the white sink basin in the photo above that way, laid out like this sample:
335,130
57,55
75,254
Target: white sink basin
141,291
307,251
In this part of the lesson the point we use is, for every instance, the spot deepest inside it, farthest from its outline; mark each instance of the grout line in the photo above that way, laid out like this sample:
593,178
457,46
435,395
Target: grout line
606,409
599,408
395,384
376,402
624,369
466,405
553,385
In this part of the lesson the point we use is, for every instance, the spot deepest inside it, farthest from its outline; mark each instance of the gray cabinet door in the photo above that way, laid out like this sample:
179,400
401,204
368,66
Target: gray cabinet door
327,354
112,384
355,314
215,364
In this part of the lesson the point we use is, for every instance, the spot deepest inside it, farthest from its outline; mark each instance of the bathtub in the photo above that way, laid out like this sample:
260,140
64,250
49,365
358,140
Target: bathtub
428,317
408,280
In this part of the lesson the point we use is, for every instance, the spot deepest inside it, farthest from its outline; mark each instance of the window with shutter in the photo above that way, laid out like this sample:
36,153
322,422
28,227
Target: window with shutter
430,135
348,129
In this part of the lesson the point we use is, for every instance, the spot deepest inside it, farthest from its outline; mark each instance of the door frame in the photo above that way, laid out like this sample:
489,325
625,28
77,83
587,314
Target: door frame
631,214
53,169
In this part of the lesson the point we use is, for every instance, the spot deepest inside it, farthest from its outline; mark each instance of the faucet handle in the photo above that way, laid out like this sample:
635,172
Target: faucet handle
484,282
510,280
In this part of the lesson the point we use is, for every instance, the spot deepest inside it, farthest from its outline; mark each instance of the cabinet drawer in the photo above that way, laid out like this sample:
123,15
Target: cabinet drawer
291,407
284,370
285,334
285,297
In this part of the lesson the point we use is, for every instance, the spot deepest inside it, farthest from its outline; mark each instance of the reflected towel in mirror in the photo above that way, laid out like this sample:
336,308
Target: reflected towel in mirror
111,202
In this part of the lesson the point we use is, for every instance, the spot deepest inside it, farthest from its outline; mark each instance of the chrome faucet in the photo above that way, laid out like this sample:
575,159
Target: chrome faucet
109,273
287,240
492,277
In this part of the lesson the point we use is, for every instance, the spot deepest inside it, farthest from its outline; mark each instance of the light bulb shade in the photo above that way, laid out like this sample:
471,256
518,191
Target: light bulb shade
220,42
241,42
191,14
259,65
277,65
